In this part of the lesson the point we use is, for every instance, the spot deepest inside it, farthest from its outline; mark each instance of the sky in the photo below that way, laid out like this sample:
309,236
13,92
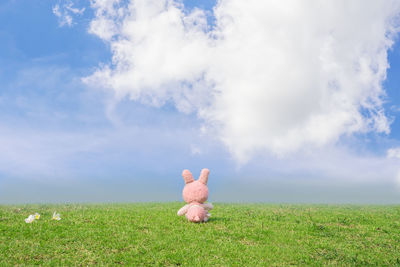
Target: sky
108,101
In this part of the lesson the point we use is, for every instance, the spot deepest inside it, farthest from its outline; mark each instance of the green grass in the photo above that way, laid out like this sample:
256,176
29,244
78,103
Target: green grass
239,235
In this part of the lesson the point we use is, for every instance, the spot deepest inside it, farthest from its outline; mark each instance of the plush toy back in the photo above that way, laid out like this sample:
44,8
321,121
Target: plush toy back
195,191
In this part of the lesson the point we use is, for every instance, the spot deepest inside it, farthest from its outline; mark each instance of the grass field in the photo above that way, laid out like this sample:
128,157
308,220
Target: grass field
240,235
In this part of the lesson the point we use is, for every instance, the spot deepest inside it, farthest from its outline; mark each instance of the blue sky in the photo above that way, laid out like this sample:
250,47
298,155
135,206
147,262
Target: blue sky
66,140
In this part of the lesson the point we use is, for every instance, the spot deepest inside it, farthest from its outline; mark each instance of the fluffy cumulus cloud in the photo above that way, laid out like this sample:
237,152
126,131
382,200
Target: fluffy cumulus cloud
268,76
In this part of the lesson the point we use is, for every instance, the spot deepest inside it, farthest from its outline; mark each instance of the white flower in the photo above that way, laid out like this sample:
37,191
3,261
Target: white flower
37,216
30,219
56,216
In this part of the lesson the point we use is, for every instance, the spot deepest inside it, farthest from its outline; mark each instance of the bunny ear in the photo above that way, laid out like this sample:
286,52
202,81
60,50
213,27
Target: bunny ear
187,176
204,176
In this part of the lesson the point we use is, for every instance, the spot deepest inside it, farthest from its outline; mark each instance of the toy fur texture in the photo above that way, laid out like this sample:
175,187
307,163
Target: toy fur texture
195,193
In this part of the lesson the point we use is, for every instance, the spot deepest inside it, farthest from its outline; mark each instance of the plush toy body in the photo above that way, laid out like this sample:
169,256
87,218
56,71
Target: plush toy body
195,193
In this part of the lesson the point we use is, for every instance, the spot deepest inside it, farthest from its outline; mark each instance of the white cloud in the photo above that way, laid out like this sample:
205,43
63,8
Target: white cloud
395,108
270,76
393,153
65,13
195,150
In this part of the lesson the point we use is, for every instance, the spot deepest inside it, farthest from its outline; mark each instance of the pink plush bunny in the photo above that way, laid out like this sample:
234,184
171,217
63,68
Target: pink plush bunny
195,193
